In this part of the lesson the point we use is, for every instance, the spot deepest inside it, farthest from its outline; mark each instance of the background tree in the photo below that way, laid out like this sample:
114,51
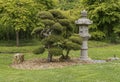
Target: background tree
47,4
15,15
21,15
105,15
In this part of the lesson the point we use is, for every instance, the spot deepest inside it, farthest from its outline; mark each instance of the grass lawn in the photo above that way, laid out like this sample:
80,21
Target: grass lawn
106,72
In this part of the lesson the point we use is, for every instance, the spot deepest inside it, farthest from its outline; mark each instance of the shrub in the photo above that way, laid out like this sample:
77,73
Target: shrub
57,28
57,14
56,51
98,35
47,22
39,50
76,39
45,15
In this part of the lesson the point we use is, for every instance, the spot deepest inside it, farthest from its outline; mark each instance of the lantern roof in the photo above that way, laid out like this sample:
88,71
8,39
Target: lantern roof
83,20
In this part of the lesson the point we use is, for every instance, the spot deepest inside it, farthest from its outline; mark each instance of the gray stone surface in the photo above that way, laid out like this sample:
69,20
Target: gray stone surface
83,23
99,61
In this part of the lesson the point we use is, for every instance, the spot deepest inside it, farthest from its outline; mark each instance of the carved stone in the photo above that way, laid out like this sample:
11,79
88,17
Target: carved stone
83,23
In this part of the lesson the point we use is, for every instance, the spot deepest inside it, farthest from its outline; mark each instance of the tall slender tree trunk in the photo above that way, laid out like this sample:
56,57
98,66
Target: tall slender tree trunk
17,38
8,36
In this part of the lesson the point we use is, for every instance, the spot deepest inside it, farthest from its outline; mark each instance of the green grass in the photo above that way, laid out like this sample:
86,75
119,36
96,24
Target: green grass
14,49
25,46
105,52
106,72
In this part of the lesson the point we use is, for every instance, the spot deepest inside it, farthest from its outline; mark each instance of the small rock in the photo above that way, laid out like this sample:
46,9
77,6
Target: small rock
112,59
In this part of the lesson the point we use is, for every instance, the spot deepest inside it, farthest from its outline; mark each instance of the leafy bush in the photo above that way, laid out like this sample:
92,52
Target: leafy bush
52,39
64,22
69,45
36,30
98,35
47,22
114,38
39,50
57,14
45,15
76,39
57,28
67,23
56,51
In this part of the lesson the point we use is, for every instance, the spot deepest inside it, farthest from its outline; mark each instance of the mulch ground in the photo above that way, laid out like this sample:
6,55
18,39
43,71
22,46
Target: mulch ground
36,64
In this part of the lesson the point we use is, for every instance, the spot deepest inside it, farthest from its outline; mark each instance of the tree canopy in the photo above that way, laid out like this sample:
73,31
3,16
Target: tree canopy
19,17
105,15
56,34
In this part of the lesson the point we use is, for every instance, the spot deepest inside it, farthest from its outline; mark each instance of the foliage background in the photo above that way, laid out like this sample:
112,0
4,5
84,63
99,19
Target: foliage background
22,15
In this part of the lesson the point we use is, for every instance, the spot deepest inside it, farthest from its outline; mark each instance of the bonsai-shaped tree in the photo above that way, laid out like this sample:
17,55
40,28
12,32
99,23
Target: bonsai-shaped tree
55,34
72,43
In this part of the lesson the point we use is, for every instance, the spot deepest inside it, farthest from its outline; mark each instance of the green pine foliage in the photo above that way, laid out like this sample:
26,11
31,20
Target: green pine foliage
57,14
45,15
57,28
76,39
71,43
39,50
55,51
51,32
47,22
51,40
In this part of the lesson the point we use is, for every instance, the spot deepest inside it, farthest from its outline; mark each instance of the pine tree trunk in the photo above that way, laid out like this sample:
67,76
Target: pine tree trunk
49,57
17,38
67,53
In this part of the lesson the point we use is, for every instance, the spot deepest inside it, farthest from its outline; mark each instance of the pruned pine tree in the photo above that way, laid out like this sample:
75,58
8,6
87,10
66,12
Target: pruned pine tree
71,43
56,34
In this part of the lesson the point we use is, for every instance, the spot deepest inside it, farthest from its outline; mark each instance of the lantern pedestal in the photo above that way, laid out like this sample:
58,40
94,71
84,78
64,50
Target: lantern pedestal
84,50
84,55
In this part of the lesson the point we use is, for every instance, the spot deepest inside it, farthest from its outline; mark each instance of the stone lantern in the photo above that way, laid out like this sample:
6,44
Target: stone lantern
83,23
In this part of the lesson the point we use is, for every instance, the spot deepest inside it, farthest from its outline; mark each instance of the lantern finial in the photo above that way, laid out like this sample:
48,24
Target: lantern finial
84,13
